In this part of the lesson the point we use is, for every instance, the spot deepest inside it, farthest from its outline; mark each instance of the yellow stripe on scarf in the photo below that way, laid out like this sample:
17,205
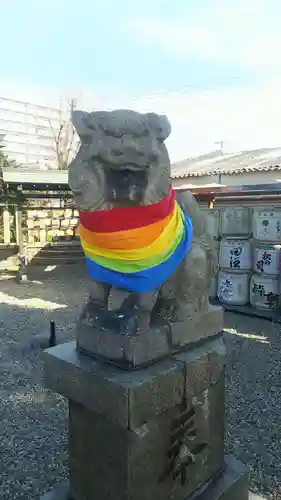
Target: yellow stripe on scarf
132,266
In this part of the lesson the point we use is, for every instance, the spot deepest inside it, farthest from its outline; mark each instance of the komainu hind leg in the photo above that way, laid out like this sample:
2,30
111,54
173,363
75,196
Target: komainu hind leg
191,296
184,301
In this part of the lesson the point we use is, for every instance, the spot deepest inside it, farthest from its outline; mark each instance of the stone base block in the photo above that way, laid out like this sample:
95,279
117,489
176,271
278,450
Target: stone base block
231,484
140,350
126,351
209,323
59,492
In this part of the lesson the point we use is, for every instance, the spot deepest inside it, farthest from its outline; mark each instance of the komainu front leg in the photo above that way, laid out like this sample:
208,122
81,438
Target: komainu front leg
131,310
96,305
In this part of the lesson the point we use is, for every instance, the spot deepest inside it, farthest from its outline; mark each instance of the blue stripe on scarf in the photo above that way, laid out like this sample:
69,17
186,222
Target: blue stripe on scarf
148,279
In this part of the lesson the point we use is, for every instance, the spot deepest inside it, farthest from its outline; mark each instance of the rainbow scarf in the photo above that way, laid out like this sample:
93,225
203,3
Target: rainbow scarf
136,248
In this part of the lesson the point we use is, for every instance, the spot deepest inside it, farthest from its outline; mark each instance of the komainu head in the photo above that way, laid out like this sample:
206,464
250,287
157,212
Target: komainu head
122,159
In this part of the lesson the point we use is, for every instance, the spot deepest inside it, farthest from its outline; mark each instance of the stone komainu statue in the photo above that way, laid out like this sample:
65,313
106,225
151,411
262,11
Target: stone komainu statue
121,182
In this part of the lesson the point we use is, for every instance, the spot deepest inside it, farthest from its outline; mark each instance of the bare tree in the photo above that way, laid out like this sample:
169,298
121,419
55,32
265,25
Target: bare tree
66,142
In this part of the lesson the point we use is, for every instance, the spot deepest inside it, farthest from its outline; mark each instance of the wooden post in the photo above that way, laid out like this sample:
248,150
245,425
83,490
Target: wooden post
17,217
7,229
52,338
20,242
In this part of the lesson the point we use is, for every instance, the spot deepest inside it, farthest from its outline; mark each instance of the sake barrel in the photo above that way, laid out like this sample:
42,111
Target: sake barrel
235,222
235,254
233,288
267,259
264,292
212,218
267,225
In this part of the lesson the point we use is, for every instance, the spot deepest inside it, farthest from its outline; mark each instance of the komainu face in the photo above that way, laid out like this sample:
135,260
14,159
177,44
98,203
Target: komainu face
122,159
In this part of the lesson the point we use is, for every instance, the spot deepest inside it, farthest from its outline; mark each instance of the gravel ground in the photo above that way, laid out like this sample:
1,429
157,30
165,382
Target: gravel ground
33,430
253,388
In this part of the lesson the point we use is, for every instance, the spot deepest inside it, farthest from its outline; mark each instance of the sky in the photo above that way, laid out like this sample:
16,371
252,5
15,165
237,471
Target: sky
213,66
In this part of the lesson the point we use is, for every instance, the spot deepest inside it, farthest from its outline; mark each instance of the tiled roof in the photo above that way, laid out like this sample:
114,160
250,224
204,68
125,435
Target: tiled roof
228,163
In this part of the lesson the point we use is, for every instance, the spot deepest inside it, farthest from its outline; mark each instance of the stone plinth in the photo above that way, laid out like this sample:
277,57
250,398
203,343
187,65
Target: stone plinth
152,434
231,484
131,351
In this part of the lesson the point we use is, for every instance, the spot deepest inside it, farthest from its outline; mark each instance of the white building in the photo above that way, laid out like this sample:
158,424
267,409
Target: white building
29,132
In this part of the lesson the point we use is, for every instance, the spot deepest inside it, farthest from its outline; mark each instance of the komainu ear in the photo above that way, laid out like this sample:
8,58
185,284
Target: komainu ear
159,124
79,120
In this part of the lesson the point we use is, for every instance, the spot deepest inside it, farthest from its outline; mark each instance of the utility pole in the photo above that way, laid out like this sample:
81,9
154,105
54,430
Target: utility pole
221,145
72,105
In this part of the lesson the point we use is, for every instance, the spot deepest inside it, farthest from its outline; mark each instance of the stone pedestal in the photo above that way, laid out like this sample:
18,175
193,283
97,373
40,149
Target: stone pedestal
152,434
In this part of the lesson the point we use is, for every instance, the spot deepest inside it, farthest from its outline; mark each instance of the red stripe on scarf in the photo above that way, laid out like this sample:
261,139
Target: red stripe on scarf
120,219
